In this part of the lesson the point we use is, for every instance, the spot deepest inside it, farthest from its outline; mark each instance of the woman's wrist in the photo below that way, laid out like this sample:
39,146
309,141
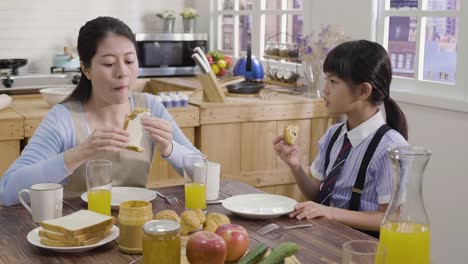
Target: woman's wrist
168,151
73,158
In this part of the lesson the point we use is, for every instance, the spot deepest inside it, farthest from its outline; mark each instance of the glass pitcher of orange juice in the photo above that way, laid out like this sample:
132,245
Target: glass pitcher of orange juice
195,171
404,231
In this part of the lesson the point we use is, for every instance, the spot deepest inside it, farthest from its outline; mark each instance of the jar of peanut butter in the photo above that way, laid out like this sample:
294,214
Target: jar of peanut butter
161,242
132,216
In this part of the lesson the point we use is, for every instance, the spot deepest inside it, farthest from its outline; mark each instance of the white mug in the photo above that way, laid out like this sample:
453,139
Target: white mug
46,201
212,179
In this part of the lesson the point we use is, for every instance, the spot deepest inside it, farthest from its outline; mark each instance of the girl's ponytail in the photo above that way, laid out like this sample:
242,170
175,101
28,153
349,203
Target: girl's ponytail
395,117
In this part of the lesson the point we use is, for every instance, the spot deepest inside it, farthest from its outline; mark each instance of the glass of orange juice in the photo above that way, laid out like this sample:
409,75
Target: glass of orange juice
195,171
99,183
363,252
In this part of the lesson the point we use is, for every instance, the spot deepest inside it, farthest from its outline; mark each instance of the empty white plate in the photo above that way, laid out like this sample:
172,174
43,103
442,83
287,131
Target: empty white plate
33,238
259,206
122,194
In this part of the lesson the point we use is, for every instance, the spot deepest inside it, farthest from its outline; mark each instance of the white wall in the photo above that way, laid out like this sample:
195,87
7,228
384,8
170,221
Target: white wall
445,183
442,131
38,29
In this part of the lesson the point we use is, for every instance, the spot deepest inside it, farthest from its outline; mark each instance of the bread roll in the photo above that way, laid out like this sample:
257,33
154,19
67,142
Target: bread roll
290,134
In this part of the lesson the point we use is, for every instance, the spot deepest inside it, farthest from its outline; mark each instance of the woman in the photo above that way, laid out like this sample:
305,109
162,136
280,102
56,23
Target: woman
89,124
352,175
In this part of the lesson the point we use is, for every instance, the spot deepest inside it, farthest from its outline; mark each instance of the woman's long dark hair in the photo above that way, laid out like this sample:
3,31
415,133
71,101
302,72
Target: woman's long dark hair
361,61
91,34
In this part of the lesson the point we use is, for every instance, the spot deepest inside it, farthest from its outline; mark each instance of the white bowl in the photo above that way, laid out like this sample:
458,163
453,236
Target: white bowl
56,95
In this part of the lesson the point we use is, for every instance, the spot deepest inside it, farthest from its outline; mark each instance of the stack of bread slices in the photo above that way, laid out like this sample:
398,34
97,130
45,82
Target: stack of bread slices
82,228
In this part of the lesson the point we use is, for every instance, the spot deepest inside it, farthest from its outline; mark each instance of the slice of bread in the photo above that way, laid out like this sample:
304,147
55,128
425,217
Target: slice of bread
290,134
135,129
55,243
78,223
52,235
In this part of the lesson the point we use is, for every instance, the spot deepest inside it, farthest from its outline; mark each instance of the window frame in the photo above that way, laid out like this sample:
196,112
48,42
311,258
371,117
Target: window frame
442,95
258,13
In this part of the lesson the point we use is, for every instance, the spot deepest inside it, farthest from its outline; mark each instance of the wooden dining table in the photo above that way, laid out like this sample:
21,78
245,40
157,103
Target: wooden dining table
320,243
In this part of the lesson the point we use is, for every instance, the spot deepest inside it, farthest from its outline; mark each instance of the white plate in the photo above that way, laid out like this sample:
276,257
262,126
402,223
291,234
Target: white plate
33,238
122,194
259,206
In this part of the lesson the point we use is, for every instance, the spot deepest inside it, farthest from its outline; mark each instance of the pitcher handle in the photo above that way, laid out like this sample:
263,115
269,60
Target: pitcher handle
22,201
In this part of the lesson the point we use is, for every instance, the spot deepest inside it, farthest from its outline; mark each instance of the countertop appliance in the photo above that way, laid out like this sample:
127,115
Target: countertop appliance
12,82
168,54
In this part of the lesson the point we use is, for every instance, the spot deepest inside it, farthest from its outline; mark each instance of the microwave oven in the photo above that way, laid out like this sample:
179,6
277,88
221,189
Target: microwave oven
168,54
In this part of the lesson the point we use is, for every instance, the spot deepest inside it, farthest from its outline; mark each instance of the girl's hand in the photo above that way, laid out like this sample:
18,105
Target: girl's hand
291,155
160,131
100,141
310,210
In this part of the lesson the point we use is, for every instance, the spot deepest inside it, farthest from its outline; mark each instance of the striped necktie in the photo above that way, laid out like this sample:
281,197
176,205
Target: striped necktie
326,188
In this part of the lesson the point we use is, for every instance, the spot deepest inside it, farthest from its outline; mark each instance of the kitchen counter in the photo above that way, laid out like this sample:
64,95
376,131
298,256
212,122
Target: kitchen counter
169,84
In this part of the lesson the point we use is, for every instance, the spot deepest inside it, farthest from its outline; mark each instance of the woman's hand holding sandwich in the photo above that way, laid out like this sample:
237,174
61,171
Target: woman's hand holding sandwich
160,131
100,141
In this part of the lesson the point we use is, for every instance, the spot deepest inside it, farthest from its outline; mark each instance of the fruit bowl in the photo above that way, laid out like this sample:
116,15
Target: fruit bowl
219,62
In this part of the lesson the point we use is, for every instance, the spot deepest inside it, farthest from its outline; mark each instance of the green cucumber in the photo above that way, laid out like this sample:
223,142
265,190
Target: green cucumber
254,255
281,252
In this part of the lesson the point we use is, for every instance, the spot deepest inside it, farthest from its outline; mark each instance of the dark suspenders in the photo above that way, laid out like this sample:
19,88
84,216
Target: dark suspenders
330,146
355,201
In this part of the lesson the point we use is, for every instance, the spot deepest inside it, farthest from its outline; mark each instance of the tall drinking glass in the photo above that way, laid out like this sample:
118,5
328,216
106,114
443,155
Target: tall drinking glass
99,183
195,172
363,252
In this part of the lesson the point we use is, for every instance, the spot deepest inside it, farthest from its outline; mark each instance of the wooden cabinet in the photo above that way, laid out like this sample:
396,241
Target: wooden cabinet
239,135
11,134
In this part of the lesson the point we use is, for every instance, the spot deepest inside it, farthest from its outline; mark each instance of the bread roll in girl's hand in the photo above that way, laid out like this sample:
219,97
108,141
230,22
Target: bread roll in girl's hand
135,128
290,134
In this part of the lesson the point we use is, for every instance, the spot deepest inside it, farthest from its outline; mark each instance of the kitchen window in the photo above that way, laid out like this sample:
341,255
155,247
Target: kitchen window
238,23
426,45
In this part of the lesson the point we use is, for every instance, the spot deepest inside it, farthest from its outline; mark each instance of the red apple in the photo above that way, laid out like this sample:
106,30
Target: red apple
206,248
228,61
237,240
210,59
221,72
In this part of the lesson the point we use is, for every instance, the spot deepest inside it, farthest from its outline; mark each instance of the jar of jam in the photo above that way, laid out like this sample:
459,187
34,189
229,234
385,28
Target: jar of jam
132,216
161,242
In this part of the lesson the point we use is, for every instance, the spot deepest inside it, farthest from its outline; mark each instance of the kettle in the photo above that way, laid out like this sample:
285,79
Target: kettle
250,68
66,60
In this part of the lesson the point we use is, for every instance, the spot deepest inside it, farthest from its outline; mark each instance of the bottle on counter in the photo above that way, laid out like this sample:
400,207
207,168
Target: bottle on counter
166,100
183,99
175,99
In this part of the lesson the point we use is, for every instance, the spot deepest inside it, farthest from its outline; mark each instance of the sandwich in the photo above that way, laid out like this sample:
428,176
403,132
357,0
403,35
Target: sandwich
81,228
135,129
290,134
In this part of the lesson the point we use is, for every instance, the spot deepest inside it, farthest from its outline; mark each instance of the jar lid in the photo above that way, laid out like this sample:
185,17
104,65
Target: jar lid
161,227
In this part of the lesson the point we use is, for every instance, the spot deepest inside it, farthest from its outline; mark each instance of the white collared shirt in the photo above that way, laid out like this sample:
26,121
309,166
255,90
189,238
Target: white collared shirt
378,185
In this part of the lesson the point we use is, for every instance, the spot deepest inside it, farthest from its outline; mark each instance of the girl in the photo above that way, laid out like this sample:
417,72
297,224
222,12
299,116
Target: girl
88,125
352,177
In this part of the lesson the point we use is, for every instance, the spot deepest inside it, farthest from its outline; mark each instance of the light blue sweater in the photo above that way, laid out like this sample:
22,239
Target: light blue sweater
42,159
